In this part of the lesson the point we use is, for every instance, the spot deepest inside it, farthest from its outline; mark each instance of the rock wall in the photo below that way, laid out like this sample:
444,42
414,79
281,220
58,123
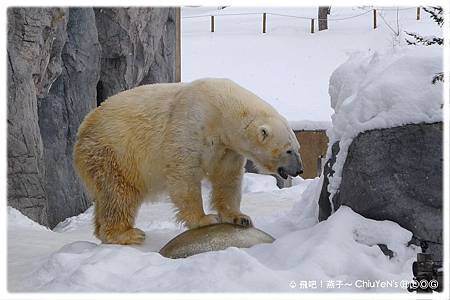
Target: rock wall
394,174
62,62
138,47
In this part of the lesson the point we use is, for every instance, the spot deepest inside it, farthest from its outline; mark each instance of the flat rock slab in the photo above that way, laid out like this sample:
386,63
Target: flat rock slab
213,238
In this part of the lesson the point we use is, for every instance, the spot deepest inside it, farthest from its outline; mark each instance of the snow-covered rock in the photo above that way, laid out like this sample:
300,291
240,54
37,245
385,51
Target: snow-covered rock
396,174
378,163
382,90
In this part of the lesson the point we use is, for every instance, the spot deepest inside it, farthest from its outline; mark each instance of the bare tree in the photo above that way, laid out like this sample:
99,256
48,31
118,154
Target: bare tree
324,11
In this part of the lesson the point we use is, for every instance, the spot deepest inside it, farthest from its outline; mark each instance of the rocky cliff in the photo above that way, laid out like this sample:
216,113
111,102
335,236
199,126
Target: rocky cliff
63,62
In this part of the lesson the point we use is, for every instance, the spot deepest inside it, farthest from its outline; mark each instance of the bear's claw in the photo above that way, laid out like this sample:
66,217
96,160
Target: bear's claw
243,220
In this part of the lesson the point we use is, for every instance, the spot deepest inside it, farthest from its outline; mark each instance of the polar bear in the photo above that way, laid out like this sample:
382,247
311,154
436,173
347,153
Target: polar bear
166,138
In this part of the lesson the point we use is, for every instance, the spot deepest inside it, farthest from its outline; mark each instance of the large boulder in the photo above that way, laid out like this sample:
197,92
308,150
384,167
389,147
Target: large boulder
395,174
58,58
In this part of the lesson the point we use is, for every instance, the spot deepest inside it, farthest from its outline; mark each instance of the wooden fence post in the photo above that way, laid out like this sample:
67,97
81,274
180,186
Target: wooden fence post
312,25
322,17
374,19
418,13
264,22
212,23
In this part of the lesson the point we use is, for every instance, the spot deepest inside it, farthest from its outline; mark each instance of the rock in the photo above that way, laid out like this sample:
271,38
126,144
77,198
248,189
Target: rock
61,112
138,47
386,251
396,174
214,238
35,36
55,68
324,202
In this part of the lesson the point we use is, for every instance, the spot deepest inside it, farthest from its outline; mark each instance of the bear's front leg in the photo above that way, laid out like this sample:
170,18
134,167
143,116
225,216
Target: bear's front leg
226,181
187,198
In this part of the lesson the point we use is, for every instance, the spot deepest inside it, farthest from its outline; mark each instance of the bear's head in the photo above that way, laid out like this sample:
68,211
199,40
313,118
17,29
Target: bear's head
273,147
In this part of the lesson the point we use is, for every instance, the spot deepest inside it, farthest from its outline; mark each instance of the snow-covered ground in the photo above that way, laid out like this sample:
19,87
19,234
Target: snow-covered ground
288,66
341,251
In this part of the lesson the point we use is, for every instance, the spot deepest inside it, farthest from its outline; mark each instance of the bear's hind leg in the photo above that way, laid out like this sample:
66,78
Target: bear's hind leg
117,200
114,220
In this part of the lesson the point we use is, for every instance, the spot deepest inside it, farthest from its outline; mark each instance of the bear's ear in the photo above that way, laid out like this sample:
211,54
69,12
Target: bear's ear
263,133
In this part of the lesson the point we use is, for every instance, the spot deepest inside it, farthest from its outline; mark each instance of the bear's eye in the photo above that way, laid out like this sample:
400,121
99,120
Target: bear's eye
289,152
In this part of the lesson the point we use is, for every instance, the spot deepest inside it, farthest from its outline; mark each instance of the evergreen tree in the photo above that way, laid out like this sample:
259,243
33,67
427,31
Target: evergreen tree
437,14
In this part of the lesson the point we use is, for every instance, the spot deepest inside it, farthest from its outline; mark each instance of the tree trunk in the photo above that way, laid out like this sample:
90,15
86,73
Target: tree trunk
324,11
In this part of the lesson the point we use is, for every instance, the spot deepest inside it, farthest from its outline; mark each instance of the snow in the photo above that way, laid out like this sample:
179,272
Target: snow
382,90
288,66
18,220
70,259
309,125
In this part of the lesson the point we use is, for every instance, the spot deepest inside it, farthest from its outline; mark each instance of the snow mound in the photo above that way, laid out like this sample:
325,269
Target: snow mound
17,219
382,90
74,222
342,248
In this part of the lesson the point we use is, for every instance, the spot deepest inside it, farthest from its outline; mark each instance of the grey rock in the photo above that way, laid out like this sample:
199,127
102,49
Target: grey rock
324,202
386,251
138,47
396,174
34,49
58,58
62,110
214,238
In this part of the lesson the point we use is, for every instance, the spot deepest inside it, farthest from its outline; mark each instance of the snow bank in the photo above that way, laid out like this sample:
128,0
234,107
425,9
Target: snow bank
342,249
17,219
382,90
302,254
75,221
